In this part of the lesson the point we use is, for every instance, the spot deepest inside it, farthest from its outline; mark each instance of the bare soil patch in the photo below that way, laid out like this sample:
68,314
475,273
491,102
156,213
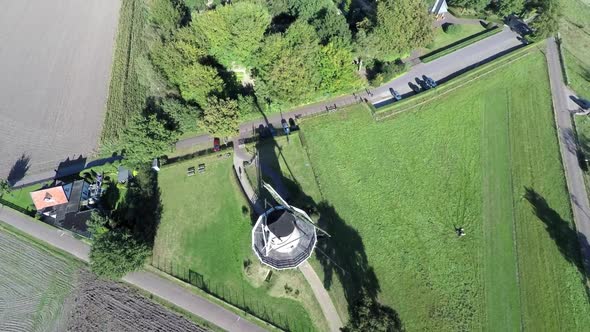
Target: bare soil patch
101,305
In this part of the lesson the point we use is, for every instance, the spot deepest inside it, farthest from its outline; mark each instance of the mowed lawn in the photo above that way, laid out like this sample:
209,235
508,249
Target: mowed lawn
485,158
575,30
206,228
443,39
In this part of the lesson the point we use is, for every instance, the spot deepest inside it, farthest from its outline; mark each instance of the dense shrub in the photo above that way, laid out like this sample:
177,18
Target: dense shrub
452,29
383,72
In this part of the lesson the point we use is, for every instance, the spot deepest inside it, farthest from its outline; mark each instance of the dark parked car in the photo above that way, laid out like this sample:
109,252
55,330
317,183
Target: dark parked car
414,87
422,84
429,81
216,144
395,94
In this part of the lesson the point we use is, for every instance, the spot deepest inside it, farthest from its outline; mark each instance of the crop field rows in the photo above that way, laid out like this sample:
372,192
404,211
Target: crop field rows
40,291
33,287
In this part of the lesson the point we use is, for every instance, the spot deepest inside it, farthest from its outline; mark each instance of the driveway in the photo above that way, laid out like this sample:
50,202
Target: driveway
150,282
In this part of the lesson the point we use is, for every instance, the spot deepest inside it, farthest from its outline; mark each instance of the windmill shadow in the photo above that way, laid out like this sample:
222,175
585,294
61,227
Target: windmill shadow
342,255
19,169
573,245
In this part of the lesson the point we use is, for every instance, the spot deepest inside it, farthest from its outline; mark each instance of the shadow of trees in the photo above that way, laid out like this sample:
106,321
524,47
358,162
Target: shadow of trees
141,209
342,255
567,239
19,169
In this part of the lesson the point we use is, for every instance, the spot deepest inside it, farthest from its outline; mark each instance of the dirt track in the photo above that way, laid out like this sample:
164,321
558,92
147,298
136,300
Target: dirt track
108,306
55,61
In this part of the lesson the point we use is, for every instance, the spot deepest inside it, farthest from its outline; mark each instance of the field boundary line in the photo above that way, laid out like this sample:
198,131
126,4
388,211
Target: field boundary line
460,85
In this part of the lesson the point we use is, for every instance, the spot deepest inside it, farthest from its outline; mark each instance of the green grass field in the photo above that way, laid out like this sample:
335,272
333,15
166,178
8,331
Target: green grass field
206,227
485,158
575,31
443,39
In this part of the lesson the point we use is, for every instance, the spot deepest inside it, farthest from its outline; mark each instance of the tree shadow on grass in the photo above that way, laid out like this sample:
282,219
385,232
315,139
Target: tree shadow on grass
342,255
141,209
573,245
19,169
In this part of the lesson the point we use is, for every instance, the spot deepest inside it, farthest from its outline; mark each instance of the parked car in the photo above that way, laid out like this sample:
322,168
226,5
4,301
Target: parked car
429,81
216,144
395,94
422,84
414,87
285,125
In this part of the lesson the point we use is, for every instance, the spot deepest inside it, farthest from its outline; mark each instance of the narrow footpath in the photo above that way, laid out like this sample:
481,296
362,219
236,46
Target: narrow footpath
573,173
150,282
317,286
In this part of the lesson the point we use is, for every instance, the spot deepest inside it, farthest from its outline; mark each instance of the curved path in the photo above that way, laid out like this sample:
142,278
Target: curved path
150,282
317,286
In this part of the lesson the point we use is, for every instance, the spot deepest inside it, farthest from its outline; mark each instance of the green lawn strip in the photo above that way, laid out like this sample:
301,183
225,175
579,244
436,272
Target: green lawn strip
548,250
416,101
205,235
403,185
500,263
575,33
443,39
126,94
454,47
578,73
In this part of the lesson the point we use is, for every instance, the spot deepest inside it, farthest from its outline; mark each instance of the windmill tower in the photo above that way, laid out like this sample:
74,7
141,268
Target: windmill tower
284,236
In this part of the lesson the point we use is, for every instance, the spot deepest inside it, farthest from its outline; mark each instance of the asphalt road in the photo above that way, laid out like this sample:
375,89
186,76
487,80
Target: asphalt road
573,172
150,282
440,70
55,64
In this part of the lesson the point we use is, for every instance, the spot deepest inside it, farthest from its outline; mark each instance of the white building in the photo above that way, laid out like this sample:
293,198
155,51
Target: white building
439,8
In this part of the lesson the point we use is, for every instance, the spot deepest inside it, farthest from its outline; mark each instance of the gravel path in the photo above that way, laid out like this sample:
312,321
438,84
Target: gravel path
55,62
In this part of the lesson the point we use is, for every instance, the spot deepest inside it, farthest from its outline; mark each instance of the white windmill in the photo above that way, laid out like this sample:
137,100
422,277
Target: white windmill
284,236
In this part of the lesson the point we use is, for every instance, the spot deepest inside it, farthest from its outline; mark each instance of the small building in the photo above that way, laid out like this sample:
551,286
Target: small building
439,8
68,205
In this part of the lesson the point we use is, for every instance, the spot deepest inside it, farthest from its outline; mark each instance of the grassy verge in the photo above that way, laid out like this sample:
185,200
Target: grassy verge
484,158
459,45
204,238
443,39
126,94
575,32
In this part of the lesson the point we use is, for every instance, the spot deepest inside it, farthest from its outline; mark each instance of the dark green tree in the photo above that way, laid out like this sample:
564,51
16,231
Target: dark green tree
546,23
184,116
401,26
507,7
222,117
4,187
116,253
232,33
369,315
147,137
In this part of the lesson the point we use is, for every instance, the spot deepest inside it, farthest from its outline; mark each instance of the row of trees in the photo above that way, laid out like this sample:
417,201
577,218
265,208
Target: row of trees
293,51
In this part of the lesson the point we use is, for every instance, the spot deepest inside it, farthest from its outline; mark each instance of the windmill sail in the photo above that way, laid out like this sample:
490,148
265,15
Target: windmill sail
276,196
